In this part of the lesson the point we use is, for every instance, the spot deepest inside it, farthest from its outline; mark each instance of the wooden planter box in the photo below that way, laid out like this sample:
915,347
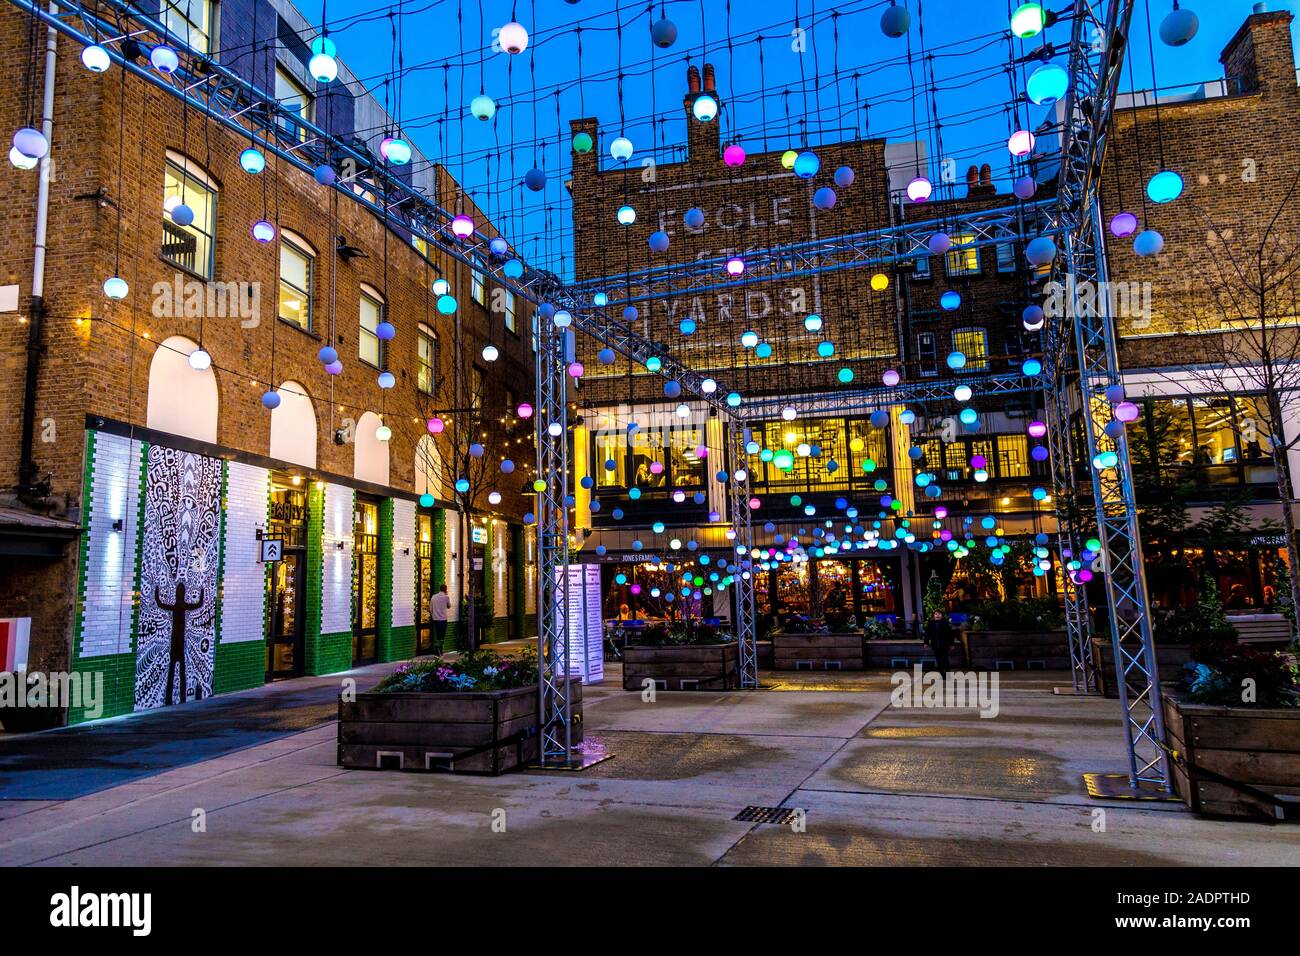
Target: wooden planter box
794,652
488,732
1257,747
1170,659
697,667
1018,650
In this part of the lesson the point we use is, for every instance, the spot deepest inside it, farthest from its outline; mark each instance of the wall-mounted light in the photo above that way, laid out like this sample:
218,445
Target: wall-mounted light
119,525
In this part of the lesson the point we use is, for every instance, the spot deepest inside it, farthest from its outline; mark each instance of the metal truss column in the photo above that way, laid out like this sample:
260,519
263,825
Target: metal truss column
741,524
1078,620
1137,676
552,548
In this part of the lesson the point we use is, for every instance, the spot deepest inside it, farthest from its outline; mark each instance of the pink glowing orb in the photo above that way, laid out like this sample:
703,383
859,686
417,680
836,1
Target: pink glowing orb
1037,429
436,426
754,503
945,535
1085,575
1123,225
1021,143
978,461
941,511
656,468
636,589
733,155
576,369
735,266
701,451
890,378
335,367
1127,412
525,410
918,190
462,226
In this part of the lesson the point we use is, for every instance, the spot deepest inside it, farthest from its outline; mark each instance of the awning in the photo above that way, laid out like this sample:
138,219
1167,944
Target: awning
27,534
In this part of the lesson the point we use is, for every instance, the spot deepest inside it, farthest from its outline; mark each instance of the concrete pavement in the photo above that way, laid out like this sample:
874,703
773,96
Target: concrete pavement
878,785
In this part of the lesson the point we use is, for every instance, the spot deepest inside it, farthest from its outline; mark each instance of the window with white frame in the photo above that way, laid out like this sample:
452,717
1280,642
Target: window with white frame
296,264
1006,257
512,322
426,359
293,96
370,347
191,22
192,246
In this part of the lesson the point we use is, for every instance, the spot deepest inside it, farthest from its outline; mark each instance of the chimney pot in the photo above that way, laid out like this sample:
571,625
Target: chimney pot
692,79
986,175
708,78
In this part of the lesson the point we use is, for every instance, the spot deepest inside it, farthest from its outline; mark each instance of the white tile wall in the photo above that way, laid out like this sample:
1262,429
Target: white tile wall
110,555
336,562
500,572
452,522
403,563
243,589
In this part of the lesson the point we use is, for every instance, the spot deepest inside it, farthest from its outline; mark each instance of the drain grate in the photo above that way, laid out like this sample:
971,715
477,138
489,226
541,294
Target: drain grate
778,815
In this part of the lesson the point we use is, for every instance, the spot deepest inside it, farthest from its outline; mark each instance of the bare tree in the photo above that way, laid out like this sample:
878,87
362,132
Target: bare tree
1250,333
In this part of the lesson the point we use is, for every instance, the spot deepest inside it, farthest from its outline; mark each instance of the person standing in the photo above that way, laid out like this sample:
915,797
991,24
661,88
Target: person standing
438,606
938,634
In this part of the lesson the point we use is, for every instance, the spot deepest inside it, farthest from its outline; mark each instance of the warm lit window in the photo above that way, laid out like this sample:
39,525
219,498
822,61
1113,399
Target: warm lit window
964,257
190,247
293,96
421,245
295,284
1013,456
477,385
610,446
426,359
974,344
512,323
372,313
190,22
477,287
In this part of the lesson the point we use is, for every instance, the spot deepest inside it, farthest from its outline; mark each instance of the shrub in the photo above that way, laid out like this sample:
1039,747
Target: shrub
1025,614
681,634
475,671
1222,672
802,624
878,630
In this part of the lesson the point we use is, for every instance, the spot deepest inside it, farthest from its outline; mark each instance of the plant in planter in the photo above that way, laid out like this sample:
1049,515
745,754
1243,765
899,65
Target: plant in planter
475,714
802,624
877,630
1233,675
689,655
804,642
1027,614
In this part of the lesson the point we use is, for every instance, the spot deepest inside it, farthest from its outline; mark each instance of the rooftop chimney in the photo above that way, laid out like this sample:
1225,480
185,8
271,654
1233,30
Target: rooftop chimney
1259,57
692,79
703,139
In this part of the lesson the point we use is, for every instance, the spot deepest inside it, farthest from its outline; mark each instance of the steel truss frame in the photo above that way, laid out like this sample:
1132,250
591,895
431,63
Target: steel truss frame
1096,54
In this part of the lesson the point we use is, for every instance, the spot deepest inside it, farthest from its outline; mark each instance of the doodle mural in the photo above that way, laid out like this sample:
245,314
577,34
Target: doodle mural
178,578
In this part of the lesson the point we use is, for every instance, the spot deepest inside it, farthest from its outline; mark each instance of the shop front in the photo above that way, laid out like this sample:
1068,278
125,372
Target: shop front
840,590
365,582
286,580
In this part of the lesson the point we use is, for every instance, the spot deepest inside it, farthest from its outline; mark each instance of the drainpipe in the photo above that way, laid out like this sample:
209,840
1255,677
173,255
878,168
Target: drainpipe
27,469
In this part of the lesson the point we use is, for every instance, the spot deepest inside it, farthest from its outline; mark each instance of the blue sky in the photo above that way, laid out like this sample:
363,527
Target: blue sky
800,93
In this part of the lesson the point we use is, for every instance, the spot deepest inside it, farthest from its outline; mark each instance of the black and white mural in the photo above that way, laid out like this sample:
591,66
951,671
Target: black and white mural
178,578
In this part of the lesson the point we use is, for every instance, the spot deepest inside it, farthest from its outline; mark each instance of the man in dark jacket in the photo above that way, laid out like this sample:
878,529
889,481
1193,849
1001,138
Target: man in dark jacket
938,634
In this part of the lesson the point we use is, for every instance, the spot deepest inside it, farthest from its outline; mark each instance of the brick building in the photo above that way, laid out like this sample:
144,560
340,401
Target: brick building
144,471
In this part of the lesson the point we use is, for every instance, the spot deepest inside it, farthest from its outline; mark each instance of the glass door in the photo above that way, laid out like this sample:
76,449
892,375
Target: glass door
365,584
285,600
424,575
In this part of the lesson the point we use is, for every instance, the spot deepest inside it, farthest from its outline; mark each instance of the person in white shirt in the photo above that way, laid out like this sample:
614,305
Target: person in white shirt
438,605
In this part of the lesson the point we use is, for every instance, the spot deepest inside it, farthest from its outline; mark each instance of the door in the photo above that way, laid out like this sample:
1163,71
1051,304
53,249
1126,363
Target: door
365,584
424,574
286,597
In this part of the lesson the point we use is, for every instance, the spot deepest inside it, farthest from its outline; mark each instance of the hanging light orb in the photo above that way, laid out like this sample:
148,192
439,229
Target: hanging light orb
733,399
115,288
621,149
824,198
462,227
20,161
1178,28
334,368
1021,143
164,59
663,33
441,286
498,247
513,268
396,150
686,326
705,108
582,143
1165,186
483,108
879,282
1123,225
1031,366
576,370
654,363
386,380
1148,243
324,174
323,68
535,180
182,214
490,353
788,158
200,360
476,450
956,360
658,241
446,305
626,215
263,231
950,300
962,393
735,266
845,375
525,410
708,386
252,161
789,413
918,190
813,322
1028,20
1032,318
1037,429
938,243
383,433
806,165
1025,187
562,319
825,349
31,143
435,426
1040,251
95,58
1127,411
513,37
734,155
694,219
1047,84
385,331
764,350
606,356
749,339
895,21
271,399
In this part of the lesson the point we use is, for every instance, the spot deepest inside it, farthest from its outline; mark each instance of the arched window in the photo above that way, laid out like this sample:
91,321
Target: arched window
293,426
371,454
182,400
428,468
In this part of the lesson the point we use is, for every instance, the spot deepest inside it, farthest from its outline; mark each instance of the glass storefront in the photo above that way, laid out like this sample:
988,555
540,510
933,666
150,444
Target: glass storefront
365,583
1204,443
831,588
286,580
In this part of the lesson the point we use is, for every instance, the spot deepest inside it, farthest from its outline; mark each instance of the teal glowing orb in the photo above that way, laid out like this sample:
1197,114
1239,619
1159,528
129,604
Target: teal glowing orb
1165,186
845,375
956,360
447,304
1047,84
825,349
